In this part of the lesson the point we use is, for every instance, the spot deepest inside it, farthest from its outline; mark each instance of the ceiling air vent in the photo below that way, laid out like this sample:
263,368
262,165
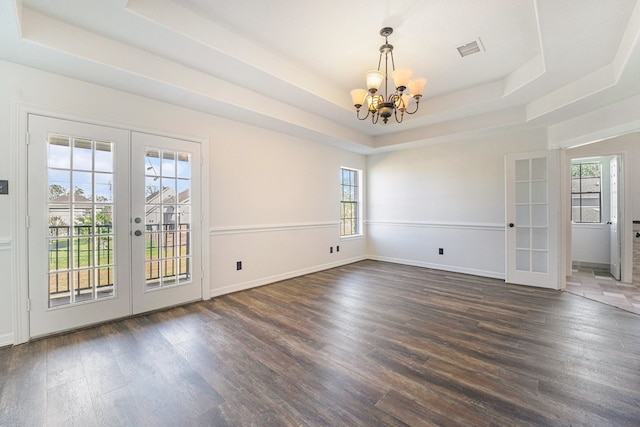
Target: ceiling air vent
470,48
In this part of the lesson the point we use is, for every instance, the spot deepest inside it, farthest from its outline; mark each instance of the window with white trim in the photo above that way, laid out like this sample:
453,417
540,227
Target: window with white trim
350,208
586,196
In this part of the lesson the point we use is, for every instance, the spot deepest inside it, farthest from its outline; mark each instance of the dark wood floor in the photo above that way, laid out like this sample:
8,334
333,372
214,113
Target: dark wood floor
367,344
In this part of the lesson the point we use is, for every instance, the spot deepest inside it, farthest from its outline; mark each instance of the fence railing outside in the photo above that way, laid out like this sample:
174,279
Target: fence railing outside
93,248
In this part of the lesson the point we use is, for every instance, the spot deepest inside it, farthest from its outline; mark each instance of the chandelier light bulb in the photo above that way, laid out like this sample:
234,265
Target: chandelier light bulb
357,96
416,86
374,80
401,78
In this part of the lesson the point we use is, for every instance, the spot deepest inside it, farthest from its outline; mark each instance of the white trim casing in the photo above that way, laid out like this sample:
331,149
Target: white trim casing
265,228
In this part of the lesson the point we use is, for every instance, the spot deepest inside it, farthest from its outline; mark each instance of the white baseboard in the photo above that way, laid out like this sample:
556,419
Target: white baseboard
451,268
291,274
6,339
284,276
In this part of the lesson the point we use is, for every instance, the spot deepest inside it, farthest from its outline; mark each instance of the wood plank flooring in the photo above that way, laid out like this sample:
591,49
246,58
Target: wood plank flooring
368,344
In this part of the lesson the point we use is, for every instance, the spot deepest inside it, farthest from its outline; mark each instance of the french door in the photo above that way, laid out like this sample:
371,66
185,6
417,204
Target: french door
615,247
532,238
114,223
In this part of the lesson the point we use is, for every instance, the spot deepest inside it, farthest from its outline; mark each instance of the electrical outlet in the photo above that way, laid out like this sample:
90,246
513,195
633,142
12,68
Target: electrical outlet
239,265
4,186
440,251
337,248
331,250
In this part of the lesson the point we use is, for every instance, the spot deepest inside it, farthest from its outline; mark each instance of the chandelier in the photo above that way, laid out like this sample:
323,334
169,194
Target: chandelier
386,105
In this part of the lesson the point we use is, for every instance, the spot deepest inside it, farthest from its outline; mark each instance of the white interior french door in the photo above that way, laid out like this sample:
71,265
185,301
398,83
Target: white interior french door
614,236
114,223
532,240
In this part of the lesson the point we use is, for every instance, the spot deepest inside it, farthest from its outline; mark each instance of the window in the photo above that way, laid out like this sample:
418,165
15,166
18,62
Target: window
350,221
586,198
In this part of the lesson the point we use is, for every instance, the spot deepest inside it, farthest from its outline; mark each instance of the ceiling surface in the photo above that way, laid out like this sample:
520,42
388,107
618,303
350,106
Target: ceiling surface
289,65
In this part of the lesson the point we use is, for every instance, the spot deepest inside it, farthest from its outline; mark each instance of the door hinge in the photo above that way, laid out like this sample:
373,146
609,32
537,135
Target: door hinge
28,304
27,138
27,221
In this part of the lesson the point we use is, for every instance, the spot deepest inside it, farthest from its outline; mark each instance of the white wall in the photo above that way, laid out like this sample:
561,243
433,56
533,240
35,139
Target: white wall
284,217
273,198
449,196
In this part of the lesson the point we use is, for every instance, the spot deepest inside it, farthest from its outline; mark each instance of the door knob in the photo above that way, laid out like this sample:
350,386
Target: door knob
511,225
138,233
138,220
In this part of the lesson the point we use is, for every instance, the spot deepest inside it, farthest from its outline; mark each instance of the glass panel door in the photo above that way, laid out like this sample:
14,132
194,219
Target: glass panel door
531,237
78,235
167,221
114,223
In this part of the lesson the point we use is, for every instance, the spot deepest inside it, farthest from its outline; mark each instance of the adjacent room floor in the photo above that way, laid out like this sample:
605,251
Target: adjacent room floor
602,287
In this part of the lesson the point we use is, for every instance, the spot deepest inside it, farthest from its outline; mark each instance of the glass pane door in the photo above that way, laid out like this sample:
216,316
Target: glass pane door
114,223
166,221
79,240
532,219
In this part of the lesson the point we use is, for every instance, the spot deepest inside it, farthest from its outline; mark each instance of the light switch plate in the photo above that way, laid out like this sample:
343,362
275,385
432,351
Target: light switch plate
4,186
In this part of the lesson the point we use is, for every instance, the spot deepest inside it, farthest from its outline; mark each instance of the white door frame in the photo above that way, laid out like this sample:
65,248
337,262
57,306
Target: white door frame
625,227
19,179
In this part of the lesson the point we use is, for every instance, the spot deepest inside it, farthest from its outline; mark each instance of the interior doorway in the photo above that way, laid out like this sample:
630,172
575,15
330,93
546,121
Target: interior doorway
595,216
598,250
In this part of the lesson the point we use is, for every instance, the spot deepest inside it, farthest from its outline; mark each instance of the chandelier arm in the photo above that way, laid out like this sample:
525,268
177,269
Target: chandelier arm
362,118
374,118
417,106
395,114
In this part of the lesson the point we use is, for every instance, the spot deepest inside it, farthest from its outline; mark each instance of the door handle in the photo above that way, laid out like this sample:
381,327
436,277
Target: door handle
138,220
138,233
511,225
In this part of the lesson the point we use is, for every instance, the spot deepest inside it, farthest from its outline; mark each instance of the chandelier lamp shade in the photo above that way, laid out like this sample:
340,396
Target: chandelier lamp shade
385,105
